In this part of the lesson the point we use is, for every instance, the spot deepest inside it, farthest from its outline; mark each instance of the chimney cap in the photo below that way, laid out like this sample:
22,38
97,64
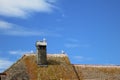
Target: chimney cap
41,43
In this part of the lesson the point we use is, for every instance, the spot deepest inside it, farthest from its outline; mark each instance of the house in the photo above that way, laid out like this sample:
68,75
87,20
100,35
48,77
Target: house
43,66
2,76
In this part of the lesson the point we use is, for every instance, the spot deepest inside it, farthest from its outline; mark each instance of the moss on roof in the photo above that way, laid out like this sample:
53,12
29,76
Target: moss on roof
58,68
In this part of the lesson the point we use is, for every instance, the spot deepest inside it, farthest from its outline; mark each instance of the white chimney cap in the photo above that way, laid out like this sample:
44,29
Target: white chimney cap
41,43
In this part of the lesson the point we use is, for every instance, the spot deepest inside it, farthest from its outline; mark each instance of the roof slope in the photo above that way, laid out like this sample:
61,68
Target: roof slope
17,71
58,68
97,72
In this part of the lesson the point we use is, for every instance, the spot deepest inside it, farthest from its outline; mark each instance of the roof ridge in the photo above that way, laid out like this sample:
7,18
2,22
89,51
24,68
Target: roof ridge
15,63
29,54
58,55
97,65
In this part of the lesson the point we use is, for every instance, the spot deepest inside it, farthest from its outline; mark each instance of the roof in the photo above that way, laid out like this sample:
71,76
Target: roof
52,59
98,72
2,73
59,67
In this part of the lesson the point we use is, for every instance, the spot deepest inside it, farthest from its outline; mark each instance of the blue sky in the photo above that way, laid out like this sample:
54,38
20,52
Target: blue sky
87,30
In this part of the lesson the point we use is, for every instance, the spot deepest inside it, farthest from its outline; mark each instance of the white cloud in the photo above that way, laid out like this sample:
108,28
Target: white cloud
5,25
79,57
10,29
52,1
71,45
19,52
82,58
18,8
73,40
75,43
4,64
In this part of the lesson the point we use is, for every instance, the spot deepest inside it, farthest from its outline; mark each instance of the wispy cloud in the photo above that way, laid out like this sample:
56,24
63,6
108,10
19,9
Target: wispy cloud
82,58
79,57
75,43
7,28
19,52
71,45
18,8
5,25
72,40
4,64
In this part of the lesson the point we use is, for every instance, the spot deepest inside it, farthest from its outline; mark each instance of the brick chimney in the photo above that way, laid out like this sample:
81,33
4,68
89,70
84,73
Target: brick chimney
41,52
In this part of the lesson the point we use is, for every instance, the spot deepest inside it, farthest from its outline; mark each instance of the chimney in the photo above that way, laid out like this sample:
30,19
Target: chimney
41,52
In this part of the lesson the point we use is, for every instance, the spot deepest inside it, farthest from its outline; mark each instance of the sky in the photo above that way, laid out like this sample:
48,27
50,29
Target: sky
88,31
